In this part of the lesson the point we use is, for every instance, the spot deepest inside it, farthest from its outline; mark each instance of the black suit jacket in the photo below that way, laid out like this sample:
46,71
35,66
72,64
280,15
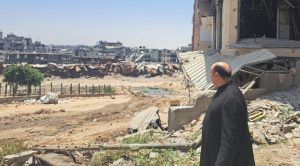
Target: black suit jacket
225,135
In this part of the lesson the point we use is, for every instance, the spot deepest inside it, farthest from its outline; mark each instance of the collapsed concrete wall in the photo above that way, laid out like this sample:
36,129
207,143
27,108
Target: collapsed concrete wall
181,115
278,82
297,69
269,82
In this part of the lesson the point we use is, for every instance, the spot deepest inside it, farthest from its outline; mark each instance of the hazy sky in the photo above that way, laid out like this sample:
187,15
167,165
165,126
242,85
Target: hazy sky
154,23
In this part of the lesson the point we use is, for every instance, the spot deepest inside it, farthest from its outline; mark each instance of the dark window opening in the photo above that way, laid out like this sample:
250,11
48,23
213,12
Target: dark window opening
258,18
295,22
270,19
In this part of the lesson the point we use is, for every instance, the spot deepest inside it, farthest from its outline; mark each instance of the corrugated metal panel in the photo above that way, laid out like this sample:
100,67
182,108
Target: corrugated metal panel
142,120
196,66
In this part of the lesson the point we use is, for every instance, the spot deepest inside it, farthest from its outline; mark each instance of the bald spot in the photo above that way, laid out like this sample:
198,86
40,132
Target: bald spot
223,65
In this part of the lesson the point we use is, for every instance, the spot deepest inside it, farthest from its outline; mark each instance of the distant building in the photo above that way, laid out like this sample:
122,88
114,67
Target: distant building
152,56
1,40
186,48
13,42
168,56
111,49
102,52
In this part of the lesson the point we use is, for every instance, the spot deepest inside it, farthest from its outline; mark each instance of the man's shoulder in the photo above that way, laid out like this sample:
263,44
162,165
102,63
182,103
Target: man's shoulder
233,89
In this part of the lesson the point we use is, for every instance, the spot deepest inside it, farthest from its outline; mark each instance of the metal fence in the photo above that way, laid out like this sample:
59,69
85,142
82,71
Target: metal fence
7,90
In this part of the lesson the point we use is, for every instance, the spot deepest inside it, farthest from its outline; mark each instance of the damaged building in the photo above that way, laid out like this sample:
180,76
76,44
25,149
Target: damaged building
258,28
259,39
229,25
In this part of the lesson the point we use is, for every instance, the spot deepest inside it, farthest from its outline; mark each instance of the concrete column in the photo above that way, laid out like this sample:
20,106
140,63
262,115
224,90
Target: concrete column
230,23
196,27
214,33
218,24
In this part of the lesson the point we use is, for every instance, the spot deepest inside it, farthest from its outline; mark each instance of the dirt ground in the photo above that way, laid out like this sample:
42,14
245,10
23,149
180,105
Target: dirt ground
82,120
283,154
102,119
118,81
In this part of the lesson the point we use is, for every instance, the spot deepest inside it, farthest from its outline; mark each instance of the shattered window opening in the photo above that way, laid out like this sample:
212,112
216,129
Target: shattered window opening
270,19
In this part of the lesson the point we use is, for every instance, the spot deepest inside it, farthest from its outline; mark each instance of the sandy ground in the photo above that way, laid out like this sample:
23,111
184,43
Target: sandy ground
83,120
117,80
103,119
283,154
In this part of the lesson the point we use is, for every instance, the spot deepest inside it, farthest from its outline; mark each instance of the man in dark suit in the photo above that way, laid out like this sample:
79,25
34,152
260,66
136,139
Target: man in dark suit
225,135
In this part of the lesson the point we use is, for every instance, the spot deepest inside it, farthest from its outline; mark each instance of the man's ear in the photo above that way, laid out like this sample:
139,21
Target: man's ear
216,74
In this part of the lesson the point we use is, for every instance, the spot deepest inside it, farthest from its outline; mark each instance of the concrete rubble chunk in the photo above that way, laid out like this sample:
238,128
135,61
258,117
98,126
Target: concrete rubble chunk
297,113
30,162
287,128
258,136
275,122
18,159
153,155
118,162
194,122
187,127
288,135
198,150
274,130
296,132
50,98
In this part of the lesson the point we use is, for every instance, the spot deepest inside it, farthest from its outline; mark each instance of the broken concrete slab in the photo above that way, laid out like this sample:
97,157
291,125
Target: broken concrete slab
54,159
258,136
182,115
296,132
153,155
18,159
288,135
287,128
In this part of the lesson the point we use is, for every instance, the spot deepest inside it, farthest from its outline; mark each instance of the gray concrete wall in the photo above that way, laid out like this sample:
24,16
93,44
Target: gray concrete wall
253,94
297,70
181,115
277,82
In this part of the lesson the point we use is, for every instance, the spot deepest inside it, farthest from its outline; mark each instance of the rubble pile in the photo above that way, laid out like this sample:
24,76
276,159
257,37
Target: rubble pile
292,97
272,121
101,70
49,98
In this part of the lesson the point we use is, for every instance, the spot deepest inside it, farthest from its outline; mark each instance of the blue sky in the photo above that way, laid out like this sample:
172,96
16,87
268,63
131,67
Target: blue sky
153,23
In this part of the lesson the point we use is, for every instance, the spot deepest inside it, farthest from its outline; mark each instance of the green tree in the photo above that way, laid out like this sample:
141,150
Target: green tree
18,75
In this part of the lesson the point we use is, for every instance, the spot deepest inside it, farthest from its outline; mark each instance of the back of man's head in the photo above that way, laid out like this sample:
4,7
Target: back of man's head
223,70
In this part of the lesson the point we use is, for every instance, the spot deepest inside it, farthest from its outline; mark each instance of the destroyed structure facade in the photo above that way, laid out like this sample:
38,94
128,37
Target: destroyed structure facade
239,31
246,25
